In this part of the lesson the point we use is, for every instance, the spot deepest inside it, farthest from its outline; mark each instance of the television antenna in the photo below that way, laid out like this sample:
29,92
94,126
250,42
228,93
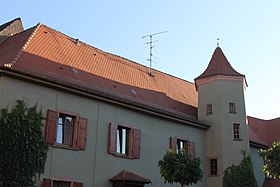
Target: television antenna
151,48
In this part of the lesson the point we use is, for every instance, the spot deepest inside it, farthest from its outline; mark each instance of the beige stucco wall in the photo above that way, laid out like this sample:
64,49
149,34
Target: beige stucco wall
220,143
258,165
94,166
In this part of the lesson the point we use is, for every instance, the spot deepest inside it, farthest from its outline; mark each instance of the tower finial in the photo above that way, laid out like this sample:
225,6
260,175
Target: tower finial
218,39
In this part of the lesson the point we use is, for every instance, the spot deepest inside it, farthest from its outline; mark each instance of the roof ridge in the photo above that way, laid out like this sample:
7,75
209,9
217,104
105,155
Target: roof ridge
19,53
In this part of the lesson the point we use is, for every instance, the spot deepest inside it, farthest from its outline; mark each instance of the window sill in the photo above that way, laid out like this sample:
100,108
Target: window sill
64,147
122,156
213,175
208,114
232,112
238,140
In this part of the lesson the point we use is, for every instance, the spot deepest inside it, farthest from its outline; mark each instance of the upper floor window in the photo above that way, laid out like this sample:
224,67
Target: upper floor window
177,144
232,108
182,144
213,167
67,130
124,141
209,109
236,131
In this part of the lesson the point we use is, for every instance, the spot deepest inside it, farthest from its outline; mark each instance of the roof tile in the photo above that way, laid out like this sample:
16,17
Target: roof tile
52,55
127,176
219,65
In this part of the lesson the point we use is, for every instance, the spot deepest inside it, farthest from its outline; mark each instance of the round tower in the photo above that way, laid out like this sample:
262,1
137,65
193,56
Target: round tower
221,103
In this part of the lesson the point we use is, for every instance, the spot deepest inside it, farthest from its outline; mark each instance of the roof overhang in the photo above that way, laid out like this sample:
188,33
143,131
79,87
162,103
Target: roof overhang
127,177
258,145
206,80
105,96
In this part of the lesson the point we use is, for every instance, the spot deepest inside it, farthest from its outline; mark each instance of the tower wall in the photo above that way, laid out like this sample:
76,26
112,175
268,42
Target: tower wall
219,91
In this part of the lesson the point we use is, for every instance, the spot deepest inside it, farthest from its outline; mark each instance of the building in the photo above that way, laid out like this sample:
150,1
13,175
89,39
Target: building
108,121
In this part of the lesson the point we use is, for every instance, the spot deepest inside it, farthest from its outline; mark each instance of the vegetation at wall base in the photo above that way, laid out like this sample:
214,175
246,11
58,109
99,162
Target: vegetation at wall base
23,149
180,168
271,157
241,175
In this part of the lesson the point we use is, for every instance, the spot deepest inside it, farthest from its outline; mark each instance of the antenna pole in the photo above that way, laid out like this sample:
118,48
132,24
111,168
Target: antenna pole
151,54
151,49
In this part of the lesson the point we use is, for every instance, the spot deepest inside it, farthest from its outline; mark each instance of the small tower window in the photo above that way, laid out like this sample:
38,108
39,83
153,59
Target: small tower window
232,108
213,167
236,131
209,109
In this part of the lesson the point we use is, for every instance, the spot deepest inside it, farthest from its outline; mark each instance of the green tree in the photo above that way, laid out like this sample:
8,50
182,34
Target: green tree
272,160
23,151
180,168
241,175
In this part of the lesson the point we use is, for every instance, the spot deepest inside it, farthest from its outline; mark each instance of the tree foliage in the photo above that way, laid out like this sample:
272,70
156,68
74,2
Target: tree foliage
23,151
180,168
272,160
241,175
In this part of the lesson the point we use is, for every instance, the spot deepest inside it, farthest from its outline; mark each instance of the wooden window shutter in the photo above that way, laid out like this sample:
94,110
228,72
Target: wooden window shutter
77,184
47,182
82,134
75,132
173,143
192,149
136,143
209,166
51,126
112,144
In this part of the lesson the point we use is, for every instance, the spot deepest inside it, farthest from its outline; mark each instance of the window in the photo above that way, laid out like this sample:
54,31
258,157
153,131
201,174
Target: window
236,131
177,144
60,183
181,144
124,141
232,108
213,167
65,130
209,109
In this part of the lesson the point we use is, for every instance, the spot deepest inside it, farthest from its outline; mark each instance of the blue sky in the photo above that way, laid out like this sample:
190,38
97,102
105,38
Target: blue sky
249,35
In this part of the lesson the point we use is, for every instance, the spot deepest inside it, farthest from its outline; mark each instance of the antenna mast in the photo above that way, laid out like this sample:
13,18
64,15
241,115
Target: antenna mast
151,47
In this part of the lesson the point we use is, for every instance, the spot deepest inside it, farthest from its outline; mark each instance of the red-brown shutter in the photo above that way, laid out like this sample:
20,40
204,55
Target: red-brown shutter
173,143
77,184
136,143
192,149
75,132
47,182
51,126
82,136
112,144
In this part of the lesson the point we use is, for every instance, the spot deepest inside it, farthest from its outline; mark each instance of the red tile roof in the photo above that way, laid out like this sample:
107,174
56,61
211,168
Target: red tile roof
264,132
127,176
44,52
271,182
11,27
219,65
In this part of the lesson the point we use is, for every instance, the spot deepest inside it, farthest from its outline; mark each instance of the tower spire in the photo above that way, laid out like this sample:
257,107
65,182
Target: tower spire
218,43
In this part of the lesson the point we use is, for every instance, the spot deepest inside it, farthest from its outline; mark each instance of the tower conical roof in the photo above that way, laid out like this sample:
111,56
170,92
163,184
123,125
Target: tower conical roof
219,65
